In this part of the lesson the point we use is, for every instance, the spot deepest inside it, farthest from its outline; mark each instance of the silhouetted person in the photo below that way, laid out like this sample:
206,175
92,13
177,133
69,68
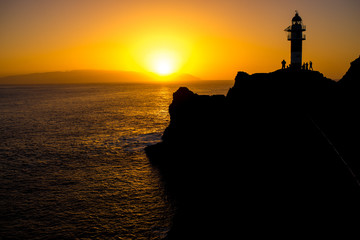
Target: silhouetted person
283,64
306,66
303,66
311,68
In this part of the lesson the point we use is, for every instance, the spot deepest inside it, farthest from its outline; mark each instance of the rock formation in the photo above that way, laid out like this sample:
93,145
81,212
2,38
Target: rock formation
274,157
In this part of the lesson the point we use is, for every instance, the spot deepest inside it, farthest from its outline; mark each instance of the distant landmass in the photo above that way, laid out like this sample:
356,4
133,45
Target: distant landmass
90,76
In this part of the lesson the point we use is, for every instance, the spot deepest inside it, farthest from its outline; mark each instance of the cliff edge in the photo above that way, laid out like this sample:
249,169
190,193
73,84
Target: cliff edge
273,154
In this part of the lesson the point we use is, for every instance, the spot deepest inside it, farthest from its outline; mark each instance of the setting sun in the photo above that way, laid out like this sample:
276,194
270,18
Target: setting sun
163,67
163,62
160,53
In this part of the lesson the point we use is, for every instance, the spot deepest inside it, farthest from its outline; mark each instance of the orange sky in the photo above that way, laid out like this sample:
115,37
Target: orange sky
209,39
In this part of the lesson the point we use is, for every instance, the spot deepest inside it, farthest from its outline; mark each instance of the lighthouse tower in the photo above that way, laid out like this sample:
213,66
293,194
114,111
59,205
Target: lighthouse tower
296,37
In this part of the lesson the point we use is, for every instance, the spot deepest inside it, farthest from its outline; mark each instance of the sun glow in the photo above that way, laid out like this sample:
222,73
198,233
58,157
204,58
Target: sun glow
161,54
163,63
163,67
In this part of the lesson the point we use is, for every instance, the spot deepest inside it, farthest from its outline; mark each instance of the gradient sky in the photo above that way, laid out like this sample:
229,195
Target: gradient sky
209,39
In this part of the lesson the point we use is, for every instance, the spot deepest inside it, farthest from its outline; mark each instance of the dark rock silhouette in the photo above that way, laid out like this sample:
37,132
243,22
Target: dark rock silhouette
347,130
272,158
350,80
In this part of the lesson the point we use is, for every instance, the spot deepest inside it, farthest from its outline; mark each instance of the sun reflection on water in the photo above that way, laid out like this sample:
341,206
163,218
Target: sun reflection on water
73,164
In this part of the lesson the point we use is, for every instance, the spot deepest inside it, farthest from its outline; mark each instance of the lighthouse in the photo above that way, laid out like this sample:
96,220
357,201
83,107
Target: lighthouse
296,36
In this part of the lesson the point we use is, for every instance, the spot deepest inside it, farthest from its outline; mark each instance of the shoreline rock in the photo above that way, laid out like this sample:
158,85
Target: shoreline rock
273,146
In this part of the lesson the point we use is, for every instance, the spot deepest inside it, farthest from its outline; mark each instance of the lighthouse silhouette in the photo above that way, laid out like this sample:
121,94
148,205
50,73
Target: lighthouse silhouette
296,37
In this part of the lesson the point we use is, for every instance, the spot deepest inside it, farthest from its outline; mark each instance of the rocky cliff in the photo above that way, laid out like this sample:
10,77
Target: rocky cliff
271,158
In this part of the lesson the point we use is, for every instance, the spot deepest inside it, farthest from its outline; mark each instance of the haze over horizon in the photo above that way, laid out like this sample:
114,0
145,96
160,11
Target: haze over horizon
208,39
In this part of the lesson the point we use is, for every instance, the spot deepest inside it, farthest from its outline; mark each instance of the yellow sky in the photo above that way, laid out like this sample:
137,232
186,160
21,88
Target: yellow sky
209,39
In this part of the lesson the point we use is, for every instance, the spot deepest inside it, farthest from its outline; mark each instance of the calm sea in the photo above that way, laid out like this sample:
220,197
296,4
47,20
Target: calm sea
72,162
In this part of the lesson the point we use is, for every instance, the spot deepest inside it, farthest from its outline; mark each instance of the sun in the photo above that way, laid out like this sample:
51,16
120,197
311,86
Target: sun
163,66
163,62
162,55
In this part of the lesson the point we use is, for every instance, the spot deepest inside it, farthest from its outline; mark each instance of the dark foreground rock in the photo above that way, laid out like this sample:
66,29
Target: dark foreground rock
276,157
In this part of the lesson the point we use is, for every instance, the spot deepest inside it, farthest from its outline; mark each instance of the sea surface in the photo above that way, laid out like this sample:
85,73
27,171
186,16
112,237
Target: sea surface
72,162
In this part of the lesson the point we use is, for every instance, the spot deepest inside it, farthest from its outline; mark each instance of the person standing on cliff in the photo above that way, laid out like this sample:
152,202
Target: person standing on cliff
311,68
283,64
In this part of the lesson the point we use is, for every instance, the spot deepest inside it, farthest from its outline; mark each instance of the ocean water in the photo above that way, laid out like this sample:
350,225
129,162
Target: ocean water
72,162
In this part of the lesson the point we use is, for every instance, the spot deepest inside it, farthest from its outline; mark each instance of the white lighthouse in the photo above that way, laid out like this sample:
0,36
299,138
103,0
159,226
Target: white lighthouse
296,37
